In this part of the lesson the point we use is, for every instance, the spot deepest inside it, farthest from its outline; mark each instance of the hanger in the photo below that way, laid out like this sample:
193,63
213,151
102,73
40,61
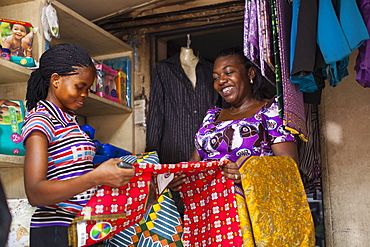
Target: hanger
188,42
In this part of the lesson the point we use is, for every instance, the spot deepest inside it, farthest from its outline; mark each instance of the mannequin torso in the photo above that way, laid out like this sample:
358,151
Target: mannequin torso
189,62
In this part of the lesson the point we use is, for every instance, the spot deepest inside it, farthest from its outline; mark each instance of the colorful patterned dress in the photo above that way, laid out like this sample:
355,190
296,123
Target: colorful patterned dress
243,137
232,140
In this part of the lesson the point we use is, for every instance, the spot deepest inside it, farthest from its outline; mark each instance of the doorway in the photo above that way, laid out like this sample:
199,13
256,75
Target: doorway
205,41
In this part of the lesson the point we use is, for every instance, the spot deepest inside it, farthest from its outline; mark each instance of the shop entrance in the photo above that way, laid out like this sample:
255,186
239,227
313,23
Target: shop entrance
205,41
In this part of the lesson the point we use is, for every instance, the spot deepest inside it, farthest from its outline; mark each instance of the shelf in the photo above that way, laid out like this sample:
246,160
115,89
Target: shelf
78,30
97,106
11,72
10,2
11,161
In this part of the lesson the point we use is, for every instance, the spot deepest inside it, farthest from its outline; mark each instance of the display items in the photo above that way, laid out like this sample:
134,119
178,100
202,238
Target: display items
123,80
16,40
106,82
11,121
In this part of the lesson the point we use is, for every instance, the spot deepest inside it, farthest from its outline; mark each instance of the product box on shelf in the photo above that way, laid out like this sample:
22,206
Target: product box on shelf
122,64
106,82
16,42
121,81
12,114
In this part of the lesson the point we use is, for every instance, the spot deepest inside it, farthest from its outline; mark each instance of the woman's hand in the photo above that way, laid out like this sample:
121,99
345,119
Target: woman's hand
177,181
112,175
231,171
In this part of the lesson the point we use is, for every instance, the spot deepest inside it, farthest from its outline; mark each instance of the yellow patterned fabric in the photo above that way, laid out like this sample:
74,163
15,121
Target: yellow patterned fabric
244,222
275,210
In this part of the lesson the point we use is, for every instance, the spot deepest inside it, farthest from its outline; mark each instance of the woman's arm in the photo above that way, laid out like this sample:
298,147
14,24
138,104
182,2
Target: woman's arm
42,192
286,149
195,156
231,171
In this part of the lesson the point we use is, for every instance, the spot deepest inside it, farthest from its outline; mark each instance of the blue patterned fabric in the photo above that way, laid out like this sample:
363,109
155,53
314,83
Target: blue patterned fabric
161,226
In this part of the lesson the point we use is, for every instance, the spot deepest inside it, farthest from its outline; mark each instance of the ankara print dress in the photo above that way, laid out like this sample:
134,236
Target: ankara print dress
243,137
232,139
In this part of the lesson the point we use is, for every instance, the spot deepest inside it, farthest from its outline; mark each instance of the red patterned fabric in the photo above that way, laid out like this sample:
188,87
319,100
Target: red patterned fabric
119,208
210,216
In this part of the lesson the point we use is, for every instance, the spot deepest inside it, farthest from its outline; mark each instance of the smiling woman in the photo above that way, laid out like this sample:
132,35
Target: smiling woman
250,128
58,170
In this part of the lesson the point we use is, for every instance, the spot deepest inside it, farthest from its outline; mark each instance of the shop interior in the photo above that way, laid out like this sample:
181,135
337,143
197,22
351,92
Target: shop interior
147,32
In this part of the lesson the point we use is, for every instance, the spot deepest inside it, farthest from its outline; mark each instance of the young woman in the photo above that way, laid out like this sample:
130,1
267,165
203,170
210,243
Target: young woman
58,170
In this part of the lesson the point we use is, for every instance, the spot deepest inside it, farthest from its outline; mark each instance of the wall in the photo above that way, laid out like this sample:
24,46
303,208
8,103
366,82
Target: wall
345,117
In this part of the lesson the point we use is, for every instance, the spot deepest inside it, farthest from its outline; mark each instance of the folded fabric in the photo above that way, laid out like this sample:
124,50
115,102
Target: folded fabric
112,210
276,203
161,226
210,210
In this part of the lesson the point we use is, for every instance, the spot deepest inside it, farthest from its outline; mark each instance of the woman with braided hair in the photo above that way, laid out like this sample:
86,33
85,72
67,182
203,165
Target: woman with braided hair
58,170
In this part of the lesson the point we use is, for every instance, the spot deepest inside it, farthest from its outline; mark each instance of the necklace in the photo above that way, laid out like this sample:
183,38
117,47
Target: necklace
245,108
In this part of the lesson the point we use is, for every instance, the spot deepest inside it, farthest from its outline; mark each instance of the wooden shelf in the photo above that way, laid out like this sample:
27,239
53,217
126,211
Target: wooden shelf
11,161
78,30
11,72
97,106
10,2
99,44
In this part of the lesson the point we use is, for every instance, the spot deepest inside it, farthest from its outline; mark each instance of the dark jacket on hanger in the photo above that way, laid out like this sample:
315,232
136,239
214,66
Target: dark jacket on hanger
176,109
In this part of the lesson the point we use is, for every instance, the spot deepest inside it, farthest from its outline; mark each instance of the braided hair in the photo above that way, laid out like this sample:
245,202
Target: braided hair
262,89
62,59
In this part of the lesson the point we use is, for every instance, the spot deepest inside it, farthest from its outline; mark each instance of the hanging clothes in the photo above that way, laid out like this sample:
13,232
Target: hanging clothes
306,61
176,109
293,116
310,164
276,56
339,32
362,66
290,99
257,37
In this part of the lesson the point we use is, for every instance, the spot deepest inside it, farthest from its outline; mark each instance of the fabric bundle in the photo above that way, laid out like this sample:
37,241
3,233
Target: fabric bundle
275,210
112,210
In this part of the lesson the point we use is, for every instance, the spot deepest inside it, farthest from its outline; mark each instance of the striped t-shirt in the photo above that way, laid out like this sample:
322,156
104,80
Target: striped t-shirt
70,154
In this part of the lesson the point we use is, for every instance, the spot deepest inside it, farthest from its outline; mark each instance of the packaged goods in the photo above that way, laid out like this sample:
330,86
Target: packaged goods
17,37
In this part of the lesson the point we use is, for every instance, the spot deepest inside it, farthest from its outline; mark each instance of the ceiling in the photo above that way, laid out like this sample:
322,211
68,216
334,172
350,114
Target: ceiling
101,9
205,42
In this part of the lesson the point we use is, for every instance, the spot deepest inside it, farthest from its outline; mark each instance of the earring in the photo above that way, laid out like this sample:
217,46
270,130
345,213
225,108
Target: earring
251,80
